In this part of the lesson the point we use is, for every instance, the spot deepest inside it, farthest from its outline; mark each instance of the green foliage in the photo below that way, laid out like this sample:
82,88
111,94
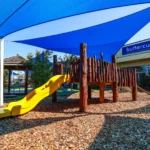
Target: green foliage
145,82
41,68
17,82
67,59
139,68
6,76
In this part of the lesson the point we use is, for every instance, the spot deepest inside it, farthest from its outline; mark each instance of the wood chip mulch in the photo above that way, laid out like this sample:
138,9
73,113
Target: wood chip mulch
124,125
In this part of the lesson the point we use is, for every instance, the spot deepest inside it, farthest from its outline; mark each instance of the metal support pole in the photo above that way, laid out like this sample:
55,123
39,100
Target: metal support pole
1,71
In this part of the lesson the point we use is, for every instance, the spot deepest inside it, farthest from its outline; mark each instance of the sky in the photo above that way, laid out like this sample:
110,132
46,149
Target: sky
70,24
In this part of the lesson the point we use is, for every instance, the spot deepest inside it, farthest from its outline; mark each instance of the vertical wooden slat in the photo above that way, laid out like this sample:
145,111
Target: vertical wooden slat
92,63
121,71
112,72
98,71
106,72
118,71
130,76
115,84
134,88
88,73
109,72
128,82
124,76
121,77
102,67
95,70
83,78
90,70
101,92
108,67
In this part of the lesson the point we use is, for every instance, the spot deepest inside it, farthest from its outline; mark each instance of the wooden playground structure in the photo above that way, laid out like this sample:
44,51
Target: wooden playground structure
90,71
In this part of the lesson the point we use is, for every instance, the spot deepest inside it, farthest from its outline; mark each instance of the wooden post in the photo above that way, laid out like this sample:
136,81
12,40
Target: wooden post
9,81
83,77
54,95
115,84
101,90
134,88
26,82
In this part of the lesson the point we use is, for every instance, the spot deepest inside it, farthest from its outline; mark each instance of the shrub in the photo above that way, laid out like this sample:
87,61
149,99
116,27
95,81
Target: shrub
145,82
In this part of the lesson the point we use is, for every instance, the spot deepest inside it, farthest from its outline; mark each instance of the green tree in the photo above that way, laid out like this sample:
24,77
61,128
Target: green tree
6,74
145,82
42,69
67,59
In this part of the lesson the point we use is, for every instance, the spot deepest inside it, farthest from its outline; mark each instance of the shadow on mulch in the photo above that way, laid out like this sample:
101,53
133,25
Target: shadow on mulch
117,132
13,124
123,133
65,104
114,125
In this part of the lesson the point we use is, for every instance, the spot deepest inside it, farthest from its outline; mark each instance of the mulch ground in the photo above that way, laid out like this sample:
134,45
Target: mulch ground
124,125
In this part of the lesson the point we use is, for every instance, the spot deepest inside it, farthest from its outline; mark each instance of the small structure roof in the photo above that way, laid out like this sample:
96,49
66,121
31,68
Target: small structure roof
15,60
15,63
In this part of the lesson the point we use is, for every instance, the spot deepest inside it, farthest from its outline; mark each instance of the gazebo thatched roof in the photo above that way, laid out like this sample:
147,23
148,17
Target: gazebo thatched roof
15,60
15,63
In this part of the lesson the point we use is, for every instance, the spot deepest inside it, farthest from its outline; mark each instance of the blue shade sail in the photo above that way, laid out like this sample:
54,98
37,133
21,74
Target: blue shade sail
8,8
35,12
41,55
107,38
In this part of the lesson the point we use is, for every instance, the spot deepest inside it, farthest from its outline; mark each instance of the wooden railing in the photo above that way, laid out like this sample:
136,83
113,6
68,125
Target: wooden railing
98,71
126,77
88,71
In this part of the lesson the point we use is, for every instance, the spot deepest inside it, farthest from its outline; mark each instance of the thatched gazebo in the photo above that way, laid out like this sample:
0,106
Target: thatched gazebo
17,63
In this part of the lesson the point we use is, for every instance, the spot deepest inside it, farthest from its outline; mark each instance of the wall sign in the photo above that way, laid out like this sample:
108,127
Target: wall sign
145,46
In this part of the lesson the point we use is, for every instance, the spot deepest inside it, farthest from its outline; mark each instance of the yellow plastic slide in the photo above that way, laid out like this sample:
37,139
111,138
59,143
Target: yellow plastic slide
33,98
